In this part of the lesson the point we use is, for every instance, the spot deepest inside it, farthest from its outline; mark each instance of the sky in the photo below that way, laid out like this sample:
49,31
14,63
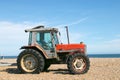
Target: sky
95,22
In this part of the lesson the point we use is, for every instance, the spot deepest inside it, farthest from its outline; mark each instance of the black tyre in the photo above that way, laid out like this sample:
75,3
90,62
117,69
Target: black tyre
30,61
47,65
78,63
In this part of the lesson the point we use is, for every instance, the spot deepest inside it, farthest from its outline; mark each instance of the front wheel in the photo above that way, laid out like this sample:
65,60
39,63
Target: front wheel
78,63
30,61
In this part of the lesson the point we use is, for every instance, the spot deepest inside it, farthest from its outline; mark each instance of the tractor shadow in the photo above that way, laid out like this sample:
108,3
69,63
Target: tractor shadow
59,71
12,71
14,64
53,71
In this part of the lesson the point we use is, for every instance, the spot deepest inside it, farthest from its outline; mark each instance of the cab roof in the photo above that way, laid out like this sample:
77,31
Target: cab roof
41,29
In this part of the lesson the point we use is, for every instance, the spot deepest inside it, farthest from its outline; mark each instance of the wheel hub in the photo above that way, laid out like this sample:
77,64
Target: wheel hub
79,64
29,63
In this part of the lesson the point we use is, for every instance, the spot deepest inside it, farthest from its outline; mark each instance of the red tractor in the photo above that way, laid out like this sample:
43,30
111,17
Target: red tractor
44,49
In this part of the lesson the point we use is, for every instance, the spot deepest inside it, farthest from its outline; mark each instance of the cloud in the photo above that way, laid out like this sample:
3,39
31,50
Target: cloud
74,23
111,46
79,21
118,35
97,38
12,36
114,41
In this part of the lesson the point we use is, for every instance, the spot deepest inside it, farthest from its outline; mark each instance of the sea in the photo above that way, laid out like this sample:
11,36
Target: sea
89,55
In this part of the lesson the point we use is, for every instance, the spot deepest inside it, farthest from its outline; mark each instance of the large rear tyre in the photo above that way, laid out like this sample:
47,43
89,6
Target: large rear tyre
78,63
47,65
30,61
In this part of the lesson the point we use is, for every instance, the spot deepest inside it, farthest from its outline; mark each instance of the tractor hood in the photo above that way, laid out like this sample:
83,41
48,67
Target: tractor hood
63,47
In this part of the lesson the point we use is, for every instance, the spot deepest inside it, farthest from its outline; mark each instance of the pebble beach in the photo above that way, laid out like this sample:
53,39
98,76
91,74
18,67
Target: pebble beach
100,69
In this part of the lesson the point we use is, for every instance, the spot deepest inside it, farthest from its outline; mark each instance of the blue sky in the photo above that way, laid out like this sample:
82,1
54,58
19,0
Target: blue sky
95,22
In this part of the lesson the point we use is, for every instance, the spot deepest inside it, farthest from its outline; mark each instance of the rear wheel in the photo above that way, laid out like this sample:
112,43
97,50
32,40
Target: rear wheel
78,63
30,61
47,65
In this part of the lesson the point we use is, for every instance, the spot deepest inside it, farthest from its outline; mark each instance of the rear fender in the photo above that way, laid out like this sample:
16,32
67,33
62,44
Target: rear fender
39,49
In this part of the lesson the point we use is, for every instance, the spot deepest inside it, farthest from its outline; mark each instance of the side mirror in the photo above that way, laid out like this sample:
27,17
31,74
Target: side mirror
59,34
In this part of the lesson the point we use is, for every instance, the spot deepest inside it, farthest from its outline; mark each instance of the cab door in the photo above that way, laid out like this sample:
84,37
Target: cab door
44,39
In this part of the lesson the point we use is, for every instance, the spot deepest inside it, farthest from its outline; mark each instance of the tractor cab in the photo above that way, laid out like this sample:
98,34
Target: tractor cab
44,38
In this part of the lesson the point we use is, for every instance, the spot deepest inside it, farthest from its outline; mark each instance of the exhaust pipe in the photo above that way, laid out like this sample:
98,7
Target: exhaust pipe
67,34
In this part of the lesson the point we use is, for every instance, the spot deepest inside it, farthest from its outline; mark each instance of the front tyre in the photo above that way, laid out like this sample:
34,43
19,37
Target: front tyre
30,61
78,63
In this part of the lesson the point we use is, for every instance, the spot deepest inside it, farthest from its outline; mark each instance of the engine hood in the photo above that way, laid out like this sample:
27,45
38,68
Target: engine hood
70,46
